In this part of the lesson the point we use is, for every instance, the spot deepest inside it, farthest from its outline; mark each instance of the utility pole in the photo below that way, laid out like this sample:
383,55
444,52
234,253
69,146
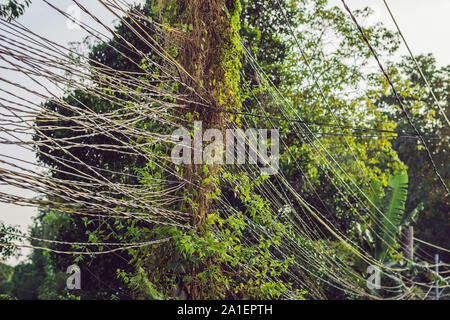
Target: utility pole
436,269
210,55
408,242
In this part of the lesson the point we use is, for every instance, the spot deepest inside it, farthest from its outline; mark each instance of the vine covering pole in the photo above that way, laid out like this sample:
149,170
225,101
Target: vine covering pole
210,55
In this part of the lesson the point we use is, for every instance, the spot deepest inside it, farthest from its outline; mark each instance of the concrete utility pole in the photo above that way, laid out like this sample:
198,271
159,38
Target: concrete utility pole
408,243
436,269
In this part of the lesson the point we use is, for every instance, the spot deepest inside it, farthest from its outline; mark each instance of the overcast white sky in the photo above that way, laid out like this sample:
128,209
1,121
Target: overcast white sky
425,25
45,21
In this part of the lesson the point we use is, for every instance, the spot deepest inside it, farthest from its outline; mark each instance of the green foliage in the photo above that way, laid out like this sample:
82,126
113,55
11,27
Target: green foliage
5,272
7,237
13,8
229,263
263,29
393,214
410,219
25,281
432,224
100,273
140,284
223,258
34,279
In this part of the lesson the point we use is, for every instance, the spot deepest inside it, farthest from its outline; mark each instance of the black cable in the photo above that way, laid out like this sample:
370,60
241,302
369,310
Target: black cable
333,125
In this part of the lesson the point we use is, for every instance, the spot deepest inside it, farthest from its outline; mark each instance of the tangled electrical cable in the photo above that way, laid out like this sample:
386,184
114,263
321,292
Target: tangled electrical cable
60,127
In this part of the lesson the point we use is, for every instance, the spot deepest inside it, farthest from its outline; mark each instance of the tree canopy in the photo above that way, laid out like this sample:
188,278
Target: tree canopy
352,175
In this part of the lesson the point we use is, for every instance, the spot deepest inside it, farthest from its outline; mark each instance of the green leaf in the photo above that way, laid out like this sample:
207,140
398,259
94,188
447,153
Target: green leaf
393,216
411,217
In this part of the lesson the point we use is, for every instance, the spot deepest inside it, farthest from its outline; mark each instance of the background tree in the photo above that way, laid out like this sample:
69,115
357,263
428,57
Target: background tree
13,8
101,280
424,187
306,81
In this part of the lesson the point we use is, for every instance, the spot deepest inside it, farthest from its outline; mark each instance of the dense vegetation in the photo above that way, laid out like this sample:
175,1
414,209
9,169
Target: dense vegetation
320,71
